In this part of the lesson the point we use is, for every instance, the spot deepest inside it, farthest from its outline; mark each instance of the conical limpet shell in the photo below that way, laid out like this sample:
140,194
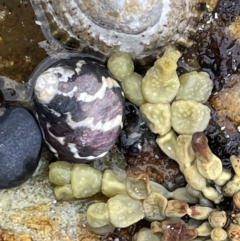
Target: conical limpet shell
139,27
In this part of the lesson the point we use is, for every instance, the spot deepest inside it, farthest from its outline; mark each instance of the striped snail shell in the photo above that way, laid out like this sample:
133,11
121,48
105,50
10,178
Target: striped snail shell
80,107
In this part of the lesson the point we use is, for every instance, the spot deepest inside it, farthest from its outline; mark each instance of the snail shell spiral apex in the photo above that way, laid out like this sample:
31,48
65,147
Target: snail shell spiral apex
80,109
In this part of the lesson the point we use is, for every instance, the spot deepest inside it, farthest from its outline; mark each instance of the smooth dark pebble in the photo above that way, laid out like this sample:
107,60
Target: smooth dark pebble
20,146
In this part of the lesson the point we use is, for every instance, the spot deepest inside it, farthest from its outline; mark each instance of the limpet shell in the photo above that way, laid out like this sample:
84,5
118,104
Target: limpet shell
139,27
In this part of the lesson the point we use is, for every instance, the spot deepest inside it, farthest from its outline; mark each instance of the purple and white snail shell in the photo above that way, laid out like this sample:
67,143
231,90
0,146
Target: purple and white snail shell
80,108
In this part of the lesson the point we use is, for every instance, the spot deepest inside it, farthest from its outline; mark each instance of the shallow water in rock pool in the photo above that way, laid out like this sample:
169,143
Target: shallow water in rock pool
216,51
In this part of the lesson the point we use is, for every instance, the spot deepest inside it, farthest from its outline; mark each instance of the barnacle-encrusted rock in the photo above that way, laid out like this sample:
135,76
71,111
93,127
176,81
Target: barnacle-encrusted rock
79,107
161,83
189,116
140,28
195,86
158,117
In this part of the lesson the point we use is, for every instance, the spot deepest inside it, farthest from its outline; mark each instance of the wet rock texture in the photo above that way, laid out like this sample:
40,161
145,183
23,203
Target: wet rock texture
20,146
142,152
19,37
217,52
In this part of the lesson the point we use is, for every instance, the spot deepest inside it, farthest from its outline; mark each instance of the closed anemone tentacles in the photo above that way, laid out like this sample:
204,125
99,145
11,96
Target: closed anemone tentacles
79,107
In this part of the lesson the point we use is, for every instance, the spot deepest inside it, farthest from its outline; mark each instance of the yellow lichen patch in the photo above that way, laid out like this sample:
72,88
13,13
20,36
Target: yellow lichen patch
235,28
12,236
35,218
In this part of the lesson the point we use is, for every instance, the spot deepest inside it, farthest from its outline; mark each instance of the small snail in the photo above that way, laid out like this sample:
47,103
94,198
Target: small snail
80,107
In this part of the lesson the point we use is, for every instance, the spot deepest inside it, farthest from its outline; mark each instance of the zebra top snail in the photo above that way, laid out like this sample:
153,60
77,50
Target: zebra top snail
79,106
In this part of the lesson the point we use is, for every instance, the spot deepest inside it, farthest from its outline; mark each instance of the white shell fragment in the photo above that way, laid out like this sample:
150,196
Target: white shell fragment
158,117
85,180
189,116
124,211
195,86
113,183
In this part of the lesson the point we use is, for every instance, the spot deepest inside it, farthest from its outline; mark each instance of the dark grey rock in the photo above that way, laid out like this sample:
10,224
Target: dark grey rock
20,146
